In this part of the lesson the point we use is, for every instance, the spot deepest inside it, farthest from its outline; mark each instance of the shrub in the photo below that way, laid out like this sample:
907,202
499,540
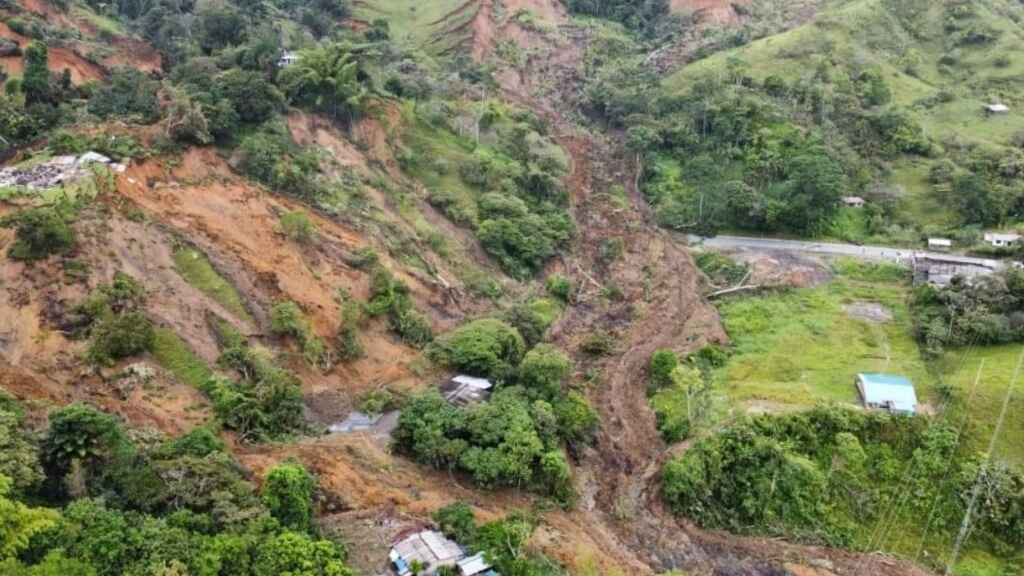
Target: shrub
128,93
287,319
577,420
663,362
559,286
120,336
498,443
457,522
377,402
269,157
35,82
599,344
389,296
253,98
288,494
297,226
529,322
543,371
487,348
266,403
39,233
347,341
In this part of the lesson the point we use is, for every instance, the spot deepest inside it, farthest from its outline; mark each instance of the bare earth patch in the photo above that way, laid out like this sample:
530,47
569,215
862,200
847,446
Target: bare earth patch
872,312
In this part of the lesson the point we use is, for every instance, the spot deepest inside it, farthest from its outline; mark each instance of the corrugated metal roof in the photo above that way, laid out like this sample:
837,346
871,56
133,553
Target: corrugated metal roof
889,391
473,565
479,383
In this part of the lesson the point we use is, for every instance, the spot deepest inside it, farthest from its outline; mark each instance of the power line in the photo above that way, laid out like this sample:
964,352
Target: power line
888,520
976,491
945,479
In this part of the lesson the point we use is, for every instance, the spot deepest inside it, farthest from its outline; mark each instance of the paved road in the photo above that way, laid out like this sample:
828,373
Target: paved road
899,255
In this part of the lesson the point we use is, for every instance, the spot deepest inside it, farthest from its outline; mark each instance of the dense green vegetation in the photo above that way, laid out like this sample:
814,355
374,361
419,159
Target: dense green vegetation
287,319
835,475
899,89
85,499
984,311
505,183
516,438
502,541
112,318
264,402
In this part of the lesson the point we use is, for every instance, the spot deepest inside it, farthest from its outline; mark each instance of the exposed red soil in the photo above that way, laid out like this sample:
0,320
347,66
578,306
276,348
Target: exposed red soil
39,363
711,11
81,69
661,307
136,54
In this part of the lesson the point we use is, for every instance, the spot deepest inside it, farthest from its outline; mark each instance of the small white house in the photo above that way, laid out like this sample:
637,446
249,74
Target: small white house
1001,240
940,244
854,201
287,59
997,108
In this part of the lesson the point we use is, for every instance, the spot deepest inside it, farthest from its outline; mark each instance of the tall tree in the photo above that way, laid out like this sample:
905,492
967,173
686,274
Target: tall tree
328,78
36,81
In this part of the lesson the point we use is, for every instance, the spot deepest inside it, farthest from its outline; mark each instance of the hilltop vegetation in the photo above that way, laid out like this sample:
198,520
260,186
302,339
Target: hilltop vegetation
885,99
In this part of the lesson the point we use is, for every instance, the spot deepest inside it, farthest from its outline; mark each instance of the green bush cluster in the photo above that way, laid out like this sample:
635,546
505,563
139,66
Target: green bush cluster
515,438
488,348
270,157
112,318
108,505
347,342
510,191
983,311
287,319
265,402
297,226
116,146
128,93
502,541
830,474
390,297
720,268
506,441
40,232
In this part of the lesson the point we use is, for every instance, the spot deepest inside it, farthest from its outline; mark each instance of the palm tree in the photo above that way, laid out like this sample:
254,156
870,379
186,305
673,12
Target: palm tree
328,78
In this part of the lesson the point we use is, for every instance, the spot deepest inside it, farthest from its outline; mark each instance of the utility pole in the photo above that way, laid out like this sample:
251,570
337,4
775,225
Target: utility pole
965,526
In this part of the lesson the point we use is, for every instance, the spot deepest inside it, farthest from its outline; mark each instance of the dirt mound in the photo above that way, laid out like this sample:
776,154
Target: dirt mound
711,11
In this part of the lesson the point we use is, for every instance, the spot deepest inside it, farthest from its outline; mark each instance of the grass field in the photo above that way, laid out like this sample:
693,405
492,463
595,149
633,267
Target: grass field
196,269
794,349
801,347
960,369
417,23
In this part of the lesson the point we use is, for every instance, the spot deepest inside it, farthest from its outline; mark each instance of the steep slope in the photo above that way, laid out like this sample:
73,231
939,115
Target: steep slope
660,308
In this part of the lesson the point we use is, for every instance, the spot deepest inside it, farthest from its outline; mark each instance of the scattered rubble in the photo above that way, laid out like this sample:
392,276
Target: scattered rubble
56,171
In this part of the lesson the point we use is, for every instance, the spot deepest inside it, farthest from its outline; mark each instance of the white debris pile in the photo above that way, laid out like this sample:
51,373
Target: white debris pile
56,171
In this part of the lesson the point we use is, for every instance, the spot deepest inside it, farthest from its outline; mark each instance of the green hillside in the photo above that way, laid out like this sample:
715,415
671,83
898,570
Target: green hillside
934,65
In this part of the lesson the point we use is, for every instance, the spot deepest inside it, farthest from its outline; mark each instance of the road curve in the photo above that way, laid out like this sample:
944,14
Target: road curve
898,255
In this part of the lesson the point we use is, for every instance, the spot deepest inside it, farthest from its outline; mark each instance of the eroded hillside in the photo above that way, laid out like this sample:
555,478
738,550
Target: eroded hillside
307,248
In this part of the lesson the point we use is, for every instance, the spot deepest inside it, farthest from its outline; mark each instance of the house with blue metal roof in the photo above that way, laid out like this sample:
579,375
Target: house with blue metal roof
889,392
